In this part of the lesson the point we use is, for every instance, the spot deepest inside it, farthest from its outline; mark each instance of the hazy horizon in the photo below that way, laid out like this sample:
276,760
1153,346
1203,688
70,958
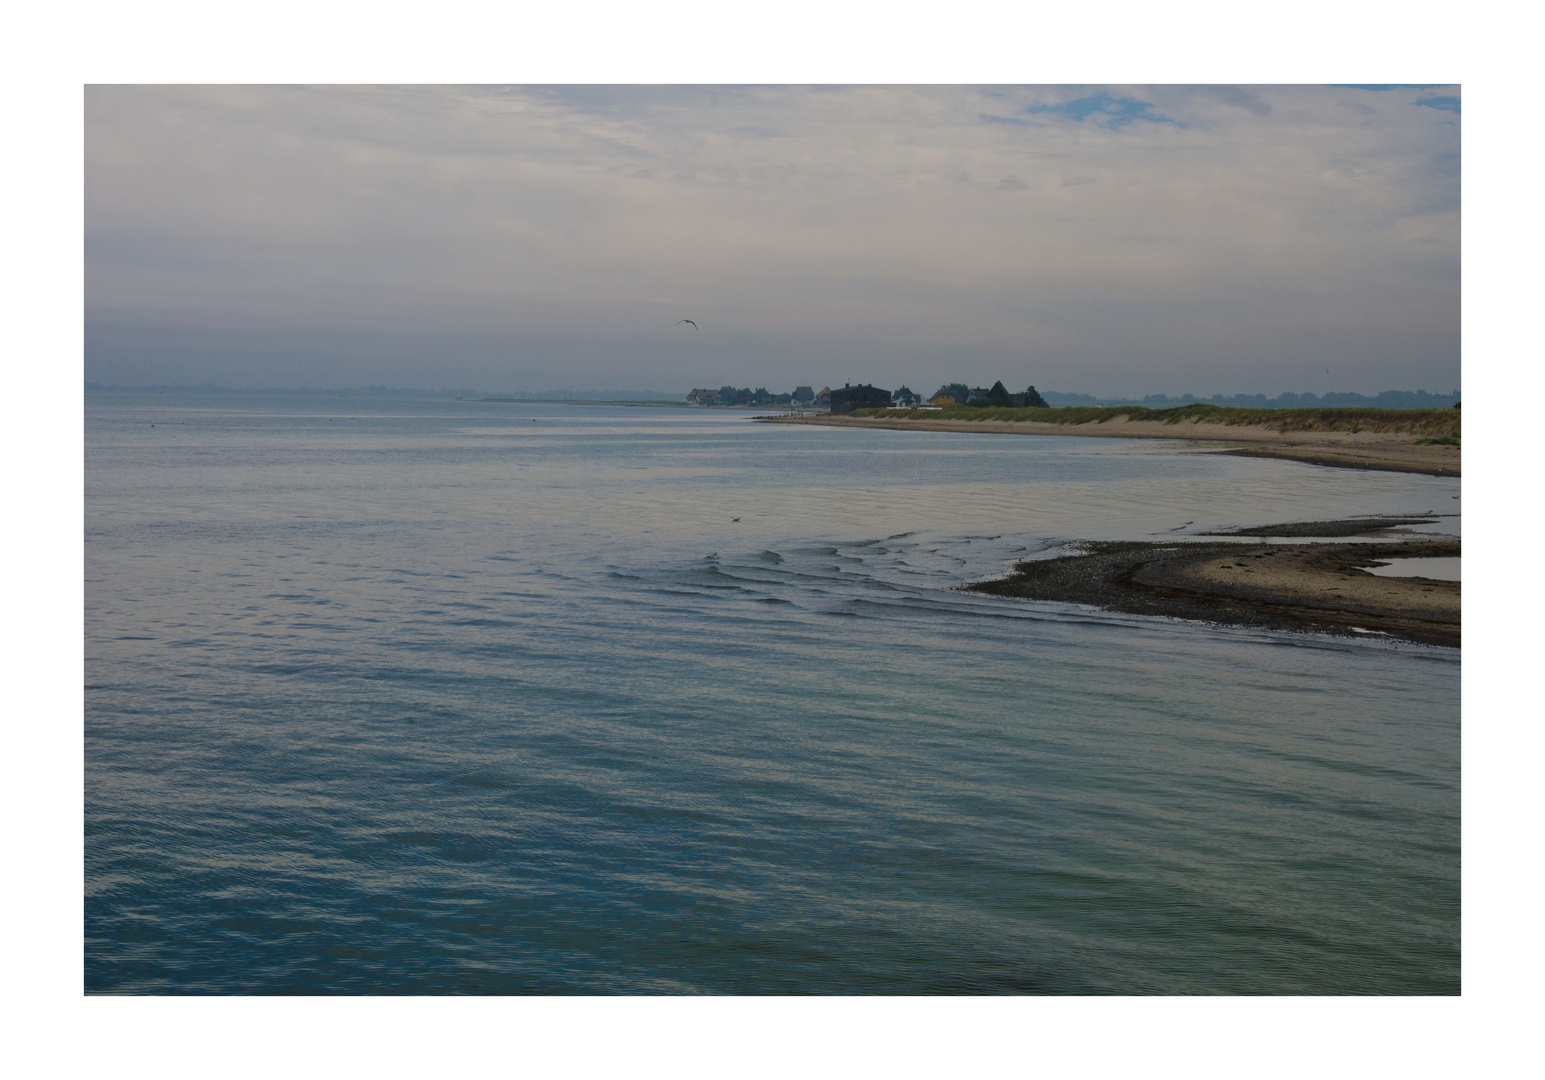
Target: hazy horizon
1103,240
629,395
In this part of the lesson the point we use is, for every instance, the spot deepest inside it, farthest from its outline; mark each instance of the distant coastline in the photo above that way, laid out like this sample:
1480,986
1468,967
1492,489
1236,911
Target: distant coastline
1414,441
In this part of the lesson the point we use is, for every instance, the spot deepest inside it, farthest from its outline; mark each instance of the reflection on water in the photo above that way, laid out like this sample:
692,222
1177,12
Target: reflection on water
1440,569
433,698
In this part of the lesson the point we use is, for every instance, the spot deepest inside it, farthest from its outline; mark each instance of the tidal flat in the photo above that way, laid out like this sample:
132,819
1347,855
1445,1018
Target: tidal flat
1312,586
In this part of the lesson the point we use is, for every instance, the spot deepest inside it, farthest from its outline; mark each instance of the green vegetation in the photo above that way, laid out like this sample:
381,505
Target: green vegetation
1442,440
1439,424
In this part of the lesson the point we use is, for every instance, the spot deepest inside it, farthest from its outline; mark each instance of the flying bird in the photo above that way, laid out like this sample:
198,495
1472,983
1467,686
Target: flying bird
694,325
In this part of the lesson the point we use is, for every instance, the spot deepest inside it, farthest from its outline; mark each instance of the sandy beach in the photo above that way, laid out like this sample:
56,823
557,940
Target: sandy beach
1376,450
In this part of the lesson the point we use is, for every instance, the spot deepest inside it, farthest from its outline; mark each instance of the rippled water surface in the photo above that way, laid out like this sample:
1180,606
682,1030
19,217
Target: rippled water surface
390,696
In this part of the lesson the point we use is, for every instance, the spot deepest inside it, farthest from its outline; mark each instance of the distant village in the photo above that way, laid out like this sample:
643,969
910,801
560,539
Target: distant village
848,397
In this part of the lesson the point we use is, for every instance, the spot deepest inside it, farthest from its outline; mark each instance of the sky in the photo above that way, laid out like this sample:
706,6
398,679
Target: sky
1113,240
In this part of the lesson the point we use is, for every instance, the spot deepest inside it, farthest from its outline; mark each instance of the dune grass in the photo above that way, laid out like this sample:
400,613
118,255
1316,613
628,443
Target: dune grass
1435,423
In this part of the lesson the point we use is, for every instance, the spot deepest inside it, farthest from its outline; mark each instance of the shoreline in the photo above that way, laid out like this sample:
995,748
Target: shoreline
1379,451
1322,587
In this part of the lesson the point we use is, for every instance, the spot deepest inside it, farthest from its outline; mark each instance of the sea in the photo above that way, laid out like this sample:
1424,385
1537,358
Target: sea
389,695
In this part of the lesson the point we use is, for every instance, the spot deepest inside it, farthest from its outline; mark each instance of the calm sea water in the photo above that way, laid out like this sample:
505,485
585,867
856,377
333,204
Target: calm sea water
452,697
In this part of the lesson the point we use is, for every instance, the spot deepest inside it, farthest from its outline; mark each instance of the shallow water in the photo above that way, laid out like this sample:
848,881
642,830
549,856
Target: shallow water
423,697
1439,569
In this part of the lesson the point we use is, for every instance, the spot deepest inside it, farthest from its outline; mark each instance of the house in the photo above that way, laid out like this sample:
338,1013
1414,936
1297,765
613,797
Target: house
862,396
999,394
951,394
703,397
905,398
824,398
804,395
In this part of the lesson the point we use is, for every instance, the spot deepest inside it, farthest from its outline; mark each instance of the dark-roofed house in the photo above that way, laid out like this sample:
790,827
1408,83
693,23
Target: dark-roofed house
862,396
703,397
904,398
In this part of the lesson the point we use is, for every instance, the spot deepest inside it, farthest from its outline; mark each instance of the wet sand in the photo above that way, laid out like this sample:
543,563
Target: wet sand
1377,450
1320,587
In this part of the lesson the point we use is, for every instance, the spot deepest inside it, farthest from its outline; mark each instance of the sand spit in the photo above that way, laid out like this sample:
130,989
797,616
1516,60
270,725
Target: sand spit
1320,587
1325,530
1377,450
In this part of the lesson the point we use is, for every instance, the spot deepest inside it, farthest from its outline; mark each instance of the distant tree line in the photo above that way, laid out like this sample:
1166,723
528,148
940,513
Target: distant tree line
998,396
743,395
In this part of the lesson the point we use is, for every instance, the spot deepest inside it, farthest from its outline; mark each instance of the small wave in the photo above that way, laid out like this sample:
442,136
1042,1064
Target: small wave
746,577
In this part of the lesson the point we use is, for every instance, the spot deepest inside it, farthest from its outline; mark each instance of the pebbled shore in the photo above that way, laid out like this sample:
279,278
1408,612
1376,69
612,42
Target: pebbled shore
1319,587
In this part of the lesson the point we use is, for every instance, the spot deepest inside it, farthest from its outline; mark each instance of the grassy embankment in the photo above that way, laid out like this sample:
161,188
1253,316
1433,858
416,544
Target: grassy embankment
1441,426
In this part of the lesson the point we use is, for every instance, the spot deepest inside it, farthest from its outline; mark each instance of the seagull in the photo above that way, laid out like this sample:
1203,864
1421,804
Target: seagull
734,519
694,325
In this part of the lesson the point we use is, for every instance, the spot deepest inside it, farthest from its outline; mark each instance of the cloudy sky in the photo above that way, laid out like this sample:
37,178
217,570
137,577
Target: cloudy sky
1112,240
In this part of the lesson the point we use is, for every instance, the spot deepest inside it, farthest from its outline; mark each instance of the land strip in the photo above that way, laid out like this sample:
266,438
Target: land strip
1280,586
1397,442
1327,529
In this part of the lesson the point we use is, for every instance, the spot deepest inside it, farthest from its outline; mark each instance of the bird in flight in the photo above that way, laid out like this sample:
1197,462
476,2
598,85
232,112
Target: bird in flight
694,325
